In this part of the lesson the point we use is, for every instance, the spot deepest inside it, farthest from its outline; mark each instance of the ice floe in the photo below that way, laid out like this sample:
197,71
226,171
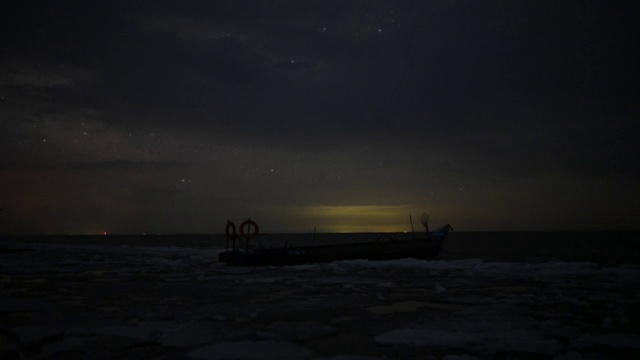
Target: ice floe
75,300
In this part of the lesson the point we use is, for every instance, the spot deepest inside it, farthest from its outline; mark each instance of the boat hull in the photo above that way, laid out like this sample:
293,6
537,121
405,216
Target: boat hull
383,250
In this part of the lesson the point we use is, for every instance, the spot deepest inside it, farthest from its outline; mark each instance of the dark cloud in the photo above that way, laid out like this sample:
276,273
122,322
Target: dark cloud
276,104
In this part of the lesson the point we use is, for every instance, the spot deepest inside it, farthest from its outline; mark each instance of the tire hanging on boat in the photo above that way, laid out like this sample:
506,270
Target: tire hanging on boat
230,230
250,223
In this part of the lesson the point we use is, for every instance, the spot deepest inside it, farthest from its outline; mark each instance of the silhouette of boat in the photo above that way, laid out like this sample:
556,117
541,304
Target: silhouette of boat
428,247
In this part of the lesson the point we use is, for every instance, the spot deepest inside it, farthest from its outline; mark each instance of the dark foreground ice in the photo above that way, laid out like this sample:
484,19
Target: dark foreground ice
99,302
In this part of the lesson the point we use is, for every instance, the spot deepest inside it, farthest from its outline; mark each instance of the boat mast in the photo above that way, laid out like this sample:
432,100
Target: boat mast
424,219
411,221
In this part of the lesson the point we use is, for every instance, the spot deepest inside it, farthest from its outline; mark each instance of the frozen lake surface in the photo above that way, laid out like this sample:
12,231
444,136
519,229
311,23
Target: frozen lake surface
98,302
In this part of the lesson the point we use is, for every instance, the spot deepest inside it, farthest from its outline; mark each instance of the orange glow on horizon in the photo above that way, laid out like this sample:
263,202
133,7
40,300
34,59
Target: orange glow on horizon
357,218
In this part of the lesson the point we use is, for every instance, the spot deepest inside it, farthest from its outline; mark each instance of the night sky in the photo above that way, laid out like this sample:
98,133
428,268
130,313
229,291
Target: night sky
169,117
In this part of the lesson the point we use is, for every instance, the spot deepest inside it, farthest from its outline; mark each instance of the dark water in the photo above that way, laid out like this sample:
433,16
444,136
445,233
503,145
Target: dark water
602,247
599,247
520,295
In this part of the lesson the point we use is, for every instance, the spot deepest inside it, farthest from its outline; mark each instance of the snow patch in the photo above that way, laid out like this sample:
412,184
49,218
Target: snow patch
251,350
508,340
617,341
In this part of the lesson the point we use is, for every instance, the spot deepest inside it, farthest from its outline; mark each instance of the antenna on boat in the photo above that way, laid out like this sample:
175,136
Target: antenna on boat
424,219
411,221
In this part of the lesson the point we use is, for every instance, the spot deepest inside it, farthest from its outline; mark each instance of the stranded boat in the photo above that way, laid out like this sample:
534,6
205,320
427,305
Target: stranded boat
240,254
